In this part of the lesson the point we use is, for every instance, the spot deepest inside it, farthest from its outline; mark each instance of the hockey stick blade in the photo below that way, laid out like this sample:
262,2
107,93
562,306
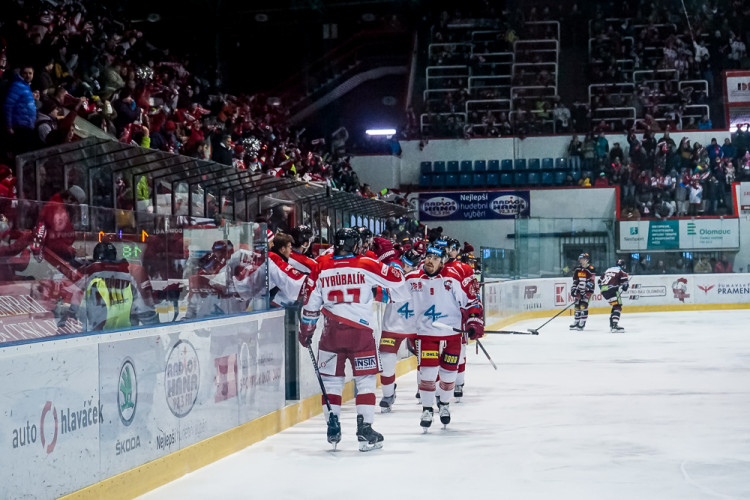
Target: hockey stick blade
509,332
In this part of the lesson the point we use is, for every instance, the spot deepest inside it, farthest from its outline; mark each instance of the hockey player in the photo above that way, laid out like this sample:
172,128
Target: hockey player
366,237
284,281
440,294
342,291
612,283
584,276
205,299
453,249
399,323
302,236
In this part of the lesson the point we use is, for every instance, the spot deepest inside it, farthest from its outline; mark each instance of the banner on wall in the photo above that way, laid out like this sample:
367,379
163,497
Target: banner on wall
745,197
474,205
683,234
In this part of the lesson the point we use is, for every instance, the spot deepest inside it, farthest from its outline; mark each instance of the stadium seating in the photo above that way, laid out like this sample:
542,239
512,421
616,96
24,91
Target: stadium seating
478,180
506,165
452,167
519,164
559,177
506,179
493,166
464,180
451,180
466,167
438,180
548,178
548,164
425,167
424,180
520,178
534,178
535,164
480,166
493,179
438,167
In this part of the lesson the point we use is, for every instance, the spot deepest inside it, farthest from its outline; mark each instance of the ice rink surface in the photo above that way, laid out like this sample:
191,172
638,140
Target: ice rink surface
661,411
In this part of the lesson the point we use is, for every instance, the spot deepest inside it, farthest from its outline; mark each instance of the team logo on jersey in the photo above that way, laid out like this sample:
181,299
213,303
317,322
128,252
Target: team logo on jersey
416,286
706,289
448,285
679,288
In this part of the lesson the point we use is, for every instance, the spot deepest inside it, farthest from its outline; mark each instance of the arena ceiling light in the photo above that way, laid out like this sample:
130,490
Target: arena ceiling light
381,131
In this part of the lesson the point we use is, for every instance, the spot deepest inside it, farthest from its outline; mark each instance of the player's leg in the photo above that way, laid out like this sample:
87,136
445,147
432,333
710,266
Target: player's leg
448,372
428,372
584,312
389,345
458,392
577,314
614,317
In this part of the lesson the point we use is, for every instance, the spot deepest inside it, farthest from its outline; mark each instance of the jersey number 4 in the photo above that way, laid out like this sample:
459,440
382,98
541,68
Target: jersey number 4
432,313
338,295
405,311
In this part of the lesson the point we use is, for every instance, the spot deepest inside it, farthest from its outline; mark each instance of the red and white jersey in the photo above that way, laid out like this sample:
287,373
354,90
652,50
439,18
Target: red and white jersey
287,279
440,298
467,273
302,262
613,277
342,289
399,316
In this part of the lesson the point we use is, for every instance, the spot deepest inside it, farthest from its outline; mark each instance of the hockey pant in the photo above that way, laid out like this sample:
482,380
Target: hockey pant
613,297
340,342
432,362
582,309
389,346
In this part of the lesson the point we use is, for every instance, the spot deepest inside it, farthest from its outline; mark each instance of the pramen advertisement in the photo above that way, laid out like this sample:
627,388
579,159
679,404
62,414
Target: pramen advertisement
476,205
682,234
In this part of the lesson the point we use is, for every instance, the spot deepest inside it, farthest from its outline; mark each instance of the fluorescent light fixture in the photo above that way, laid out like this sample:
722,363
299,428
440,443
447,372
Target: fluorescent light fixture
381,131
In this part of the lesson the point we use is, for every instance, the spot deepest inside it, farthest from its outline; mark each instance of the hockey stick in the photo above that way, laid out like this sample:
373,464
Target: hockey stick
458,330
535,331
508,332
334,427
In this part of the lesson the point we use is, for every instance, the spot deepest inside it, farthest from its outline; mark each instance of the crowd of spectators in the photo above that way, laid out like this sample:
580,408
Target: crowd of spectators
660,178
60,62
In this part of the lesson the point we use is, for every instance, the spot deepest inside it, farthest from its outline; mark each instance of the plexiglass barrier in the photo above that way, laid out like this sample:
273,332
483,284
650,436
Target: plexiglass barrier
63,272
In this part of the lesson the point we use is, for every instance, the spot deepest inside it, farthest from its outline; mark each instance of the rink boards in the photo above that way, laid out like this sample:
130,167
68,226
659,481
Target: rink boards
511,301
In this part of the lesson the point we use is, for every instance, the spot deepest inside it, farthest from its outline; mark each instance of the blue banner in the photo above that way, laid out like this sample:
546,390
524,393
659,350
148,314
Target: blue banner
474,205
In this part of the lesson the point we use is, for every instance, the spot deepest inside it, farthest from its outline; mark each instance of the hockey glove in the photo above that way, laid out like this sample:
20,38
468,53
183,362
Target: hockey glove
306,331
380,294
625,287
474,326
574,293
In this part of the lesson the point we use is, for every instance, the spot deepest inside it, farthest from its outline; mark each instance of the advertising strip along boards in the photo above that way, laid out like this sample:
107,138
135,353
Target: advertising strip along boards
78,411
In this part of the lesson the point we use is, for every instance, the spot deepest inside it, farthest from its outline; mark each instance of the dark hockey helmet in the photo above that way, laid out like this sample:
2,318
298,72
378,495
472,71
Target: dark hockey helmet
621,264
411,258
105,251
347,239
585,256
364,234
452,243
301,235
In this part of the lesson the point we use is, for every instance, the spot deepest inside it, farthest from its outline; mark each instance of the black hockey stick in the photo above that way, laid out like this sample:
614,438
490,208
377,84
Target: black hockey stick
535,331
508,332
334,427
458,330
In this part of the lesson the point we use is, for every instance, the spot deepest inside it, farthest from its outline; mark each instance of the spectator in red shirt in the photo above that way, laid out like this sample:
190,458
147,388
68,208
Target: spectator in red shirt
723,265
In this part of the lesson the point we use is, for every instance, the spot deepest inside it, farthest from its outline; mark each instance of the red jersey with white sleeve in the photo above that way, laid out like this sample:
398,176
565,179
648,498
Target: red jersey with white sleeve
442,297
287,279
467,274
342,289
302,262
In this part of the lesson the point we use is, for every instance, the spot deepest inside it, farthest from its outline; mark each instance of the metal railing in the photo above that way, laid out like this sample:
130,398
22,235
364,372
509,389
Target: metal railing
548,50
622,87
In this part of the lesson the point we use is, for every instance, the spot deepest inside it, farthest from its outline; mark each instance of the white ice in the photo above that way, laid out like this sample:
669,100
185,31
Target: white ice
661,411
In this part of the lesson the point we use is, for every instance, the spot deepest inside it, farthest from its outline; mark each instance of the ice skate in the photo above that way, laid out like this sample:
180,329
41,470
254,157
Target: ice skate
616,329
368,438
458,392
445,415
386,403
426,419
576,327
334,430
